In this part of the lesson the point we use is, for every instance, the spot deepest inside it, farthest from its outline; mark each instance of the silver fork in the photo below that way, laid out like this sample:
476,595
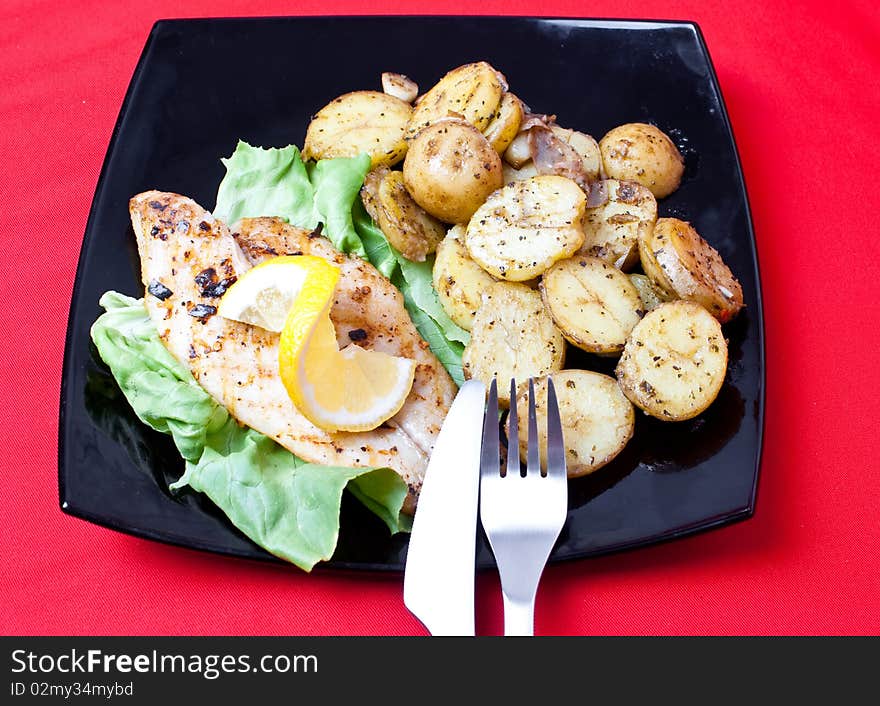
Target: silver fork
522,515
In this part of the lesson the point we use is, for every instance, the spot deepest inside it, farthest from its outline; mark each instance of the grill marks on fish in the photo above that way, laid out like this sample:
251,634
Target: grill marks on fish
194,256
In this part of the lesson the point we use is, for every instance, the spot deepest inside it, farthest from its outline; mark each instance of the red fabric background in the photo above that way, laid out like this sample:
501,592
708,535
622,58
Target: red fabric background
801,87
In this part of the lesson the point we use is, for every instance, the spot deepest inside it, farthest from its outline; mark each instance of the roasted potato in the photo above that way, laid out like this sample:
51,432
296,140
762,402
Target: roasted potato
458,280
650,294
683,264
399,86
518,151
450,169
585,145
642,153
370,191
526,171
356,123
593,303
408,227
526,226
674,362
512,336
597,419
505,124
611,231
471,92
651,267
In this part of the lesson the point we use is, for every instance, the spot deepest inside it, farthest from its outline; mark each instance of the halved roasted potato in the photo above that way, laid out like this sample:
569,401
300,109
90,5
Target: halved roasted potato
593,303
678,260
642,153
356,123
585,145
518,152
505,124
651,267
674,362
611,231
458,280
471,92
512,336
597,419
650,294
526,226
408,227
450,169
526,171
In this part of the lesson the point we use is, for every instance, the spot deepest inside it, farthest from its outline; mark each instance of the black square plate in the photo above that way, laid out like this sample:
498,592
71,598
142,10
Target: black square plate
203,84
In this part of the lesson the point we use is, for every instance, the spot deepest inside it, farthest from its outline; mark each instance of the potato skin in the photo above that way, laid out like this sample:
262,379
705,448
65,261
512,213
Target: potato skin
408,227
685,265
642,153
597,419
458,280
505,124
526,226
674,361
651,267
450,168
612,230
593,303
358,122
512,336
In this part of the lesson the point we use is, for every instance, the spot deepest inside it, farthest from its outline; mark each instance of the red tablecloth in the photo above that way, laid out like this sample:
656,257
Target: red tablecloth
801,87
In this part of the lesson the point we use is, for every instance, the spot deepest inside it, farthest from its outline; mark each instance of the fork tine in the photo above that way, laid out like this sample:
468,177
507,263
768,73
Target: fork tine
555,440
533,464
490,454
513,465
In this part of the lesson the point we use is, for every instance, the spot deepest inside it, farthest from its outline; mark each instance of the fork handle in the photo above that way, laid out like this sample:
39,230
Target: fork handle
519,616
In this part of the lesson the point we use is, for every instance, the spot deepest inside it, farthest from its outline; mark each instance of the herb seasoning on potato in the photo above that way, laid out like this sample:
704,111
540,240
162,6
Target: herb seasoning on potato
450,169
611,231
683,264
471,92
597,419
512,336
408,227
642,153
540,238
526,226
593,304
458,280
360,122
674,362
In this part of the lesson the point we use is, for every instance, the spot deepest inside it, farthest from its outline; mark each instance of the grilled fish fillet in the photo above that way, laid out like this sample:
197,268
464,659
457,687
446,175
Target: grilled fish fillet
189,259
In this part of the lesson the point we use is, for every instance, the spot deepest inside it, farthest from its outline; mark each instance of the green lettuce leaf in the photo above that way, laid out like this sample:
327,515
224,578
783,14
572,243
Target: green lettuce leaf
337,184
285,505
276,182
266,182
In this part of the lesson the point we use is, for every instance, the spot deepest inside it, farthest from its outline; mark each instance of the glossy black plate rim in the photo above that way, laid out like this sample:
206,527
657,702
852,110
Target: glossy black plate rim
738,514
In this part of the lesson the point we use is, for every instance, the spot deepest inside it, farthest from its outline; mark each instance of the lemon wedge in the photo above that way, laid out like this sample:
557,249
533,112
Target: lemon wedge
352,389
263,295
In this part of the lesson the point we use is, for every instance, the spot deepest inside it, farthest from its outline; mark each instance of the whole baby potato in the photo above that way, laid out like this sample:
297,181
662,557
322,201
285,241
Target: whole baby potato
450,169
644,154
